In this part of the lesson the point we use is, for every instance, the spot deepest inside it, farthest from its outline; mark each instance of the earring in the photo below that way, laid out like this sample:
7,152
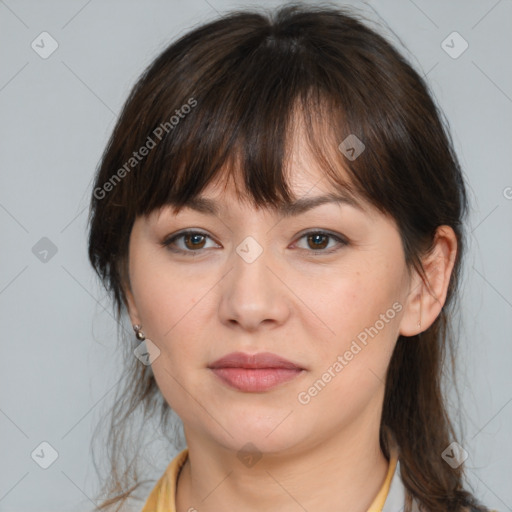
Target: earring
419,321
138,332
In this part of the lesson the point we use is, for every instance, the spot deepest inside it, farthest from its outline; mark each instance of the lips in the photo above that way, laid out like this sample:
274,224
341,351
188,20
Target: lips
261,360
254,373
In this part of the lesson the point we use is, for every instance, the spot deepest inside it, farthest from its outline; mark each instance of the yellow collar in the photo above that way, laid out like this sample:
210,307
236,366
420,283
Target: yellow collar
163,496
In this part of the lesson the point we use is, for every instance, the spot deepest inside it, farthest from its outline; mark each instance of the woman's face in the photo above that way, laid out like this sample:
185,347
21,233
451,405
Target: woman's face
252,281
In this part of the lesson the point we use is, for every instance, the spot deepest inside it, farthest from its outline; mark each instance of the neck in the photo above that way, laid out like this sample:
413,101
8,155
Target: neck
342,474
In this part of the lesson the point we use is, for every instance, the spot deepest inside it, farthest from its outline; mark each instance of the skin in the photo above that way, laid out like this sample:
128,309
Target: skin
308,308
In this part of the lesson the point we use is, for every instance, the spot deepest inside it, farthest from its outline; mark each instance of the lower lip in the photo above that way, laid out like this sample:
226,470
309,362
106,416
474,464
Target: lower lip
256,379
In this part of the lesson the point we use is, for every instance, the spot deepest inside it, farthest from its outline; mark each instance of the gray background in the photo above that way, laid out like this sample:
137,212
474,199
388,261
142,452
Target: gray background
58,337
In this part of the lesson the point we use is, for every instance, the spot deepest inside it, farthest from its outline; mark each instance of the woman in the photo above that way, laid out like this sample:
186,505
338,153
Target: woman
280,212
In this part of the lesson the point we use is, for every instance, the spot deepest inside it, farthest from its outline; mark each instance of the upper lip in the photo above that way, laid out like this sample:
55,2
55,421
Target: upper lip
261,360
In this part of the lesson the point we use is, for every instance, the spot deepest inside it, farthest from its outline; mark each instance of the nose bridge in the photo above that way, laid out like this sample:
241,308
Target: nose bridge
251,292
250,276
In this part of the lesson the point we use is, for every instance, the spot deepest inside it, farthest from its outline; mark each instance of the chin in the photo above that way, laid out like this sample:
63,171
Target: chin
262,436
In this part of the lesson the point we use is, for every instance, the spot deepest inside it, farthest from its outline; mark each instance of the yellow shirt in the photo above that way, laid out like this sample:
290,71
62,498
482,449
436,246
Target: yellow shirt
163,496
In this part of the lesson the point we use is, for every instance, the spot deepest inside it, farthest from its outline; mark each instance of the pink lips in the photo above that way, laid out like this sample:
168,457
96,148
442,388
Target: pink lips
254,373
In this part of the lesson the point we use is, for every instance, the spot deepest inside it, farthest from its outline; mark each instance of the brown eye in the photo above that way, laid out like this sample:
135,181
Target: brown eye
186,242
196,241
318,241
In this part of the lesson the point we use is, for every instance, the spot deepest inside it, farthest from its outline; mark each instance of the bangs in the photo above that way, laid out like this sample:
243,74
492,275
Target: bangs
251,109
258,159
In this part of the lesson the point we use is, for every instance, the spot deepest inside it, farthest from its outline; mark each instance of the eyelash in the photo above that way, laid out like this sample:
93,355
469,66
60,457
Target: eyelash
169,241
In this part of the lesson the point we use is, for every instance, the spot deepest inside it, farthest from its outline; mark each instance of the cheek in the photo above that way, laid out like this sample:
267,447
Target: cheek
156,298
168,308
363,312
354,301
175,303
163,295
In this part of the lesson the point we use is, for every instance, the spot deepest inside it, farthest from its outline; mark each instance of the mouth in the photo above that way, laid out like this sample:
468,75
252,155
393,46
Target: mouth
255,373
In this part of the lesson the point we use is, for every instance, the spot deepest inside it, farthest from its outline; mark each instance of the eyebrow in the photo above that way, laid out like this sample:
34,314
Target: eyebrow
297,207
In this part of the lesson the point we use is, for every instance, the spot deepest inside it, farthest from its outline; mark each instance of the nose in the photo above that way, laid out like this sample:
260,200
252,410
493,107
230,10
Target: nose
252,295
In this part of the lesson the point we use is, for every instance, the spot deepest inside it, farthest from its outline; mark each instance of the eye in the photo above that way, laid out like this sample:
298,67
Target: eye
193,241
319,240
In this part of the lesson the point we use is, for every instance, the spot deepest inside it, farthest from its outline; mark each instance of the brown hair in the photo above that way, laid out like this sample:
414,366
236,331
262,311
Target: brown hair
224,96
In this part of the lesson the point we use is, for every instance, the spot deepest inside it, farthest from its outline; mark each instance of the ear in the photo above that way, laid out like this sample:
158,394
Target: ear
427,297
